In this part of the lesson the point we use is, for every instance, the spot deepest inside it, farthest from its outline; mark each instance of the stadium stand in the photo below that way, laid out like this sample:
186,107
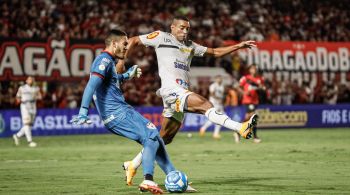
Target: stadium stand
212,22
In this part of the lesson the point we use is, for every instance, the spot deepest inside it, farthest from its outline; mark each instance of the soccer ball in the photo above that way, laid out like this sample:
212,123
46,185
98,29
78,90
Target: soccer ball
176,181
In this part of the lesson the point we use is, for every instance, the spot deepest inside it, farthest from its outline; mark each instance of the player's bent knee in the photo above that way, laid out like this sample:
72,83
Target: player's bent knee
168,136
167,140
205,106
152,142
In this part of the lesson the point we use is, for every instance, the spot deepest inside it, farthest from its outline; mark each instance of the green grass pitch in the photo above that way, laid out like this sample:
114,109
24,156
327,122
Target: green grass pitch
303,161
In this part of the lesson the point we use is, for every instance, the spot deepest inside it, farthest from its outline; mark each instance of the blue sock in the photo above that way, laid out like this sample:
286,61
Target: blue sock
162,158
150,147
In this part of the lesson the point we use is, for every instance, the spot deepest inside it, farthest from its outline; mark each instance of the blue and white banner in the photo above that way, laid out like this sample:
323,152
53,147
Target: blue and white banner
294,116
56,121
50,122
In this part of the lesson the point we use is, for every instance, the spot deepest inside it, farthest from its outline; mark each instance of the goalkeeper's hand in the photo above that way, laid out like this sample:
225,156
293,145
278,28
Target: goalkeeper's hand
81,119
132,72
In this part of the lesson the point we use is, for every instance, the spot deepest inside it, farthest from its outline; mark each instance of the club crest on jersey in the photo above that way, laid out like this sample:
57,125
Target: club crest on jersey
152,35
151,125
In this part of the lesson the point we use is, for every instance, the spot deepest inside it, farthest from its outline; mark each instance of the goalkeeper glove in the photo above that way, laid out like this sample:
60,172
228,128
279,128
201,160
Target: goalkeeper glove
132,72
82,118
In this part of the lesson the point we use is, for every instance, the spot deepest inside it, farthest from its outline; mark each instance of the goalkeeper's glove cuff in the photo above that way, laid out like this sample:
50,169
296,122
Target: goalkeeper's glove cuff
83,111
126,76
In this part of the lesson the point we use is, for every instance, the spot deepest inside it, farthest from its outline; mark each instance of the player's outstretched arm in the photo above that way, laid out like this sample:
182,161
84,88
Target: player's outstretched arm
132,72
132,43
221,51
120,66
94,82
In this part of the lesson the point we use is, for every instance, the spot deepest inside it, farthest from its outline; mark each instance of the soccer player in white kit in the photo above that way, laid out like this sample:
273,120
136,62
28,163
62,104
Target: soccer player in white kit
174,54
27,95
216,97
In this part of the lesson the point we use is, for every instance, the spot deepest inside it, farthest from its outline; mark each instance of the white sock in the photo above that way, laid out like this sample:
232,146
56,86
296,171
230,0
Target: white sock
28,133
21,132
222,119
217,130
137,160
206,125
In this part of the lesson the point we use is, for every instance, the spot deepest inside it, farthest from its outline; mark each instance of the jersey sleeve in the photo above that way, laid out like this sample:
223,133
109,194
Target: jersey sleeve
262,80
19,92
199,50
101,66
212,88
242,81
37,93
152,39
92,85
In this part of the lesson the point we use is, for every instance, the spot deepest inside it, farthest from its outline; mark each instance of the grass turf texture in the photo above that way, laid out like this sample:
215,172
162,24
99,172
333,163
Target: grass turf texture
286,162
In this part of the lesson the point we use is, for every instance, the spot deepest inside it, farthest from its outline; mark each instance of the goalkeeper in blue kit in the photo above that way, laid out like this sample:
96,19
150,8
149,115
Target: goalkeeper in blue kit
118,116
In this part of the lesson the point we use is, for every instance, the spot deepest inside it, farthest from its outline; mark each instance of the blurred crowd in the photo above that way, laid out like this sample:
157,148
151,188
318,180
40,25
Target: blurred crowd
212,22
142,92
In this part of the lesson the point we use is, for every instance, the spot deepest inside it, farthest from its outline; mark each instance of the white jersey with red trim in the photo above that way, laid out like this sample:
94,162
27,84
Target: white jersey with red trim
174,58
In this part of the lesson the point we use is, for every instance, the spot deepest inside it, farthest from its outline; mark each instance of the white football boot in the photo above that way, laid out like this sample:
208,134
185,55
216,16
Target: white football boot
190,189
32,144
150,186
16,139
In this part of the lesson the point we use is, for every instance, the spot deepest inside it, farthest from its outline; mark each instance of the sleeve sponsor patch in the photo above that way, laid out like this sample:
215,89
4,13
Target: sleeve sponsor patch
106,60
101,67
153,35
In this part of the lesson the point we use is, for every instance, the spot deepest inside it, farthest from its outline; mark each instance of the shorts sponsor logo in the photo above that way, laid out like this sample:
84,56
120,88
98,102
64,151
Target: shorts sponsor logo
177,105
109,119
151,125
152,35
173,94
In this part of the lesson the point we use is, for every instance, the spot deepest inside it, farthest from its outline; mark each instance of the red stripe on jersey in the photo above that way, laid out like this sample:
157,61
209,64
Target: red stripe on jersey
98,74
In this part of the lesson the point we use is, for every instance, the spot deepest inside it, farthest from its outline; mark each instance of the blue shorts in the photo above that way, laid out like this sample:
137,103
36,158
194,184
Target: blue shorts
134,126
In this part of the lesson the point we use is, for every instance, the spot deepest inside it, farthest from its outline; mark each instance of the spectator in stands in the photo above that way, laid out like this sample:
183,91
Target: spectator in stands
330,93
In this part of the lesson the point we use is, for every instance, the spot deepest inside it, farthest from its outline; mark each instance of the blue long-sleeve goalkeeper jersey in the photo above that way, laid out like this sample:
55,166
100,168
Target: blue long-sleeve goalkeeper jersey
105,83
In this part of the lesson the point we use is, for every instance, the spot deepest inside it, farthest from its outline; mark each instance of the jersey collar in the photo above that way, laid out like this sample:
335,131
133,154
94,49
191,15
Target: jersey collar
109,53
183,43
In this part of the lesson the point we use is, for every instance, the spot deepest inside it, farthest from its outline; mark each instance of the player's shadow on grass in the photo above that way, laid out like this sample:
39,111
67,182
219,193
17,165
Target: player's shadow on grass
234,181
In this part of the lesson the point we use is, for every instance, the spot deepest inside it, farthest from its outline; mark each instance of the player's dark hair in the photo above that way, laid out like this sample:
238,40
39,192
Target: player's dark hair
113,35
251,65
181,18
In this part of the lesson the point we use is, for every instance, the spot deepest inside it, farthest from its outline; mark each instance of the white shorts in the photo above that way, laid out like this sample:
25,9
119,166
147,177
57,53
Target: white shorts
174,101
28,112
